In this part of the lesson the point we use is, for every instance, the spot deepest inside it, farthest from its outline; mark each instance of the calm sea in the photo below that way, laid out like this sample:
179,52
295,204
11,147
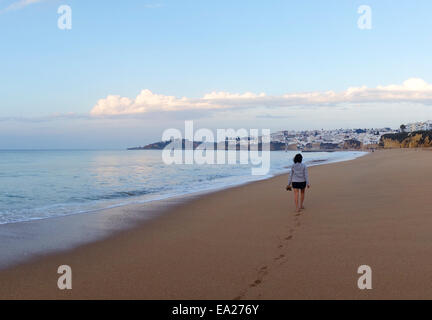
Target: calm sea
44,184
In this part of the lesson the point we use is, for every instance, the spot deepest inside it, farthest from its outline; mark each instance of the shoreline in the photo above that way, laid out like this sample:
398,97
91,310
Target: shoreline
77,229
218,185
246,242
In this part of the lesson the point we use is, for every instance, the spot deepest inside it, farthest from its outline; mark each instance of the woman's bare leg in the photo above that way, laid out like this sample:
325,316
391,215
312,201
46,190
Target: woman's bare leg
296,199
302,197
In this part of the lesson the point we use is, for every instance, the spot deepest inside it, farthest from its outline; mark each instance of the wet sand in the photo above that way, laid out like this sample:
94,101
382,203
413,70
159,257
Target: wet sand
248,243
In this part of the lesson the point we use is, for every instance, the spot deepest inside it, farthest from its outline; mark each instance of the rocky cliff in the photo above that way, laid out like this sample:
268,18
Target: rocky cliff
352,144
417,139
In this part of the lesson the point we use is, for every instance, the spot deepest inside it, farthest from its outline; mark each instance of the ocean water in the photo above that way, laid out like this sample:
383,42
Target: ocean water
44,184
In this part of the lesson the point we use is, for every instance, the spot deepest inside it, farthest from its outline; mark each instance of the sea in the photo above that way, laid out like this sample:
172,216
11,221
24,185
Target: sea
41,184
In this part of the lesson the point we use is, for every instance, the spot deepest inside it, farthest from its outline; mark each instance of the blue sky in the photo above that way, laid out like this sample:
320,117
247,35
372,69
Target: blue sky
52,79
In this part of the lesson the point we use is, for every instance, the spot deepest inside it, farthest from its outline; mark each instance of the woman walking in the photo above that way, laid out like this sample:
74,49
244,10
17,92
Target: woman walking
299,179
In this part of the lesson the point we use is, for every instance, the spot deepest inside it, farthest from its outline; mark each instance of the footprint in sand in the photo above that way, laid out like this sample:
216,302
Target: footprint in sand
280,257
257,282
289,237
262,272
296,222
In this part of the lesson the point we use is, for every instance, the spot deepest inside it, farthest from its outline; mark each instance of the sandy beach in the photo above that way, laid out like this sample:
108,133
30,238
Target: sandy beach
247,242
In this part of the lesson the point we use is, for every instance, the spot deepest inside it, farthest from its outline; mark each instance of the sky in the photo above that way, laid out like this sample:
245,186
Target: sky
128,70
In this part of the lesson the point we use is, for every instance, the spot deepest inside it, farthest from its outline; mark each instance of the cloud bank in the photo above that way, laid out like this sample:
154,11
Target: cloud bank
413,90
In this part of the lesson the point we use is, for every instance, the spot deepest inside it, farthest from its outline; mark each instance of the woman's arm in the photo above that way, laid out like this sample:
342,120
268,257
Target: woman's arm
306,175
290,176
288,187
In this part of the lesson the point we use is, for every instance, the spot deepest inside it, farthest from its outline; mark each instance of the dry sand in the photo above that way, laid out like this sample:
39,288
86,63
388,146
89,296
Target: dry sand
247,242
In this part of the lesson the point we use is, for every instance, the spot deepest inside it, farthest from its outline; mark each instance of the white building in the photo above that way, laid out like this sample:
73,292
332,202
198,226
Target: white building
419,126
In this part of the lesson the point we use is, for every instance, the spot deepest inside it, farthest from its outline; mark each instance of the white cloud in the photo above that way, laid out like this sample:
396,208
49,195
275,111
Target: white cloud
412,90
226,95
146,101
16,5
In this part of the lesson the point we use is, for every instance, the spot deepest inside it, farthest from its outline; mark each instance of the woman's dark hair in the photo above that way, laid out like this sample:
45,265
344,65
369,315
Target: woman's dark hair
298,158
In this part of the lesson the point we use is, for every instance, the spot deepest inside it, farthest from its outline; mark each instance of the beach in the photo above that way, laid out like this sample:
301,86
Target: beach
247,242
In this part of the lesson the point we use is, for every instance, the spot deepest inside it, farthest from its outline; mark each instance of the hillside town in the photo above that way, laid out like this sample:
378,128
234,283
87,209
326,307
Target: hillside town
417,126
341,138
330,139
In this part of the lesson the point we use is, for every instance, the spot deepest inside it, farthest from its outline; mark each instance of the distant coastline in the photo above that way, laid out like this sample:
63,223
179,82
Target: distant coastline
349,145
